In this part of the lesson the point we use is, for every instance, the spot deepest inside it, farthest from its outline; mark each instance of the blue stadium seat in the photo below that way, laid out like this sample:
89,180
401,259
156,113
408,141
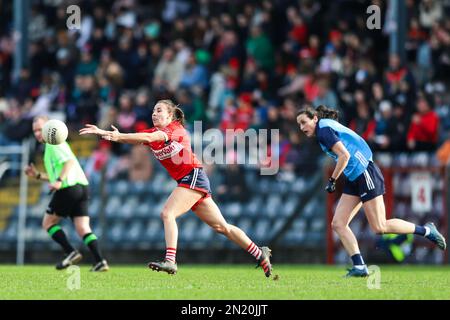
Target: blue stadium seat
113,205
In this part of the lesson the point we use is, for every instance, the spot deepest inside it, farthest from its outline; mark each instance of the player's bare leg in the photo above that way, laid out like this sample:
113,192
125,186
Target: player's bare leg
209,212
376,215
346,210
179,202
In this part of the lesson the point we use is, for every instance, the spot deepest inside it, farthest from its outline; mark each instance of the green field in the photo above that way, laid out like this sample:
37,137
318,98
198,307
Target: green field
230,282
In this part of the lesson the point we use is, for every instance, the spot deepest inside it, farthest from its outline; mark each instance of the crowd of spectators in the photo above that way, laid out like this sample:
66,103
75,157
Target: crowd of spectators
232,65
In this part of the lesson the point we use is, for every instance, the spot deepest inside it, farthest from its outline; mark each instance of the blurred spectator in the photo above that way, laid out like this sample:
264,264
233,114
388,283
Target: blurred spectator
83,107
423,131
141,165
260,48
126,118
244,112
399,82
87,65
363,124
234,186
195,75
168,72
325,95
142,108
430,11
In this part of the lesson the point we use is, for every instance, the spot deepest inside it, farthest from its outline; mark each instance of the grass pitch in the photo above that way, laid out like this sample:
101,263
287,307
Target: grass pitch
227,282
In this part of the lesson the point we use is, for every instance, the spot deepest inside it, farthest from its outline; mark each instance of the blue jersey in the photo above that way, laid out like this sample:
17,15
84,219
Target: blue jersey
329,132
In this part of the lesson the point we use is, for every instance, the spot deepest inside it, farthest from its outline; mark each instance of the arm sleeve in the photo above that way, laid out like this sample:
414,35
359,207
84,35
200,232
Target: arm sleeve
327,137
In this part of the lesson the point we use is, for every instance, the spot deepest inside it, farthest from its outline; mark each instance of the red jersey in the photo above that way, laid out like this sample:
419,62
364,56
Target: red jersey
175,154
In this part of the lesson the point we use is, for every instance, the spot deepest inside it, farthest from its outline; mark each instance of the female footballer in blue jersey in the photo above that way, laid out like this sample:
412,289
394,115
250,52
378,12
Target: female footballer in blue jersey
364,184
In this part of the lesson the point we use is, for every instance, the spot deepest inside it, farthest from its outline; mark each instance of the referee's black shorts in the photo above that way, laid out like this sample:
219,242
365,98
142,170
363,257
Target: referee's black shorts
70,202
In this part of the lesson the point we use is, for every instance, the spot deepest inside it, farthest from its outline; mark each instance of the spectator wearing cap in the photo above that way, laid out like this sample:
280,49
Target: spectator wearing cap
424,129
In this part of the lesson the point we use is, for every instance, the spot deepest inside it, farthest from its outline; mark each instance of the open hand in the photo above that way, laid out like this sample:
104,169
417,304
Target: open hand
91,129
111,135
31,170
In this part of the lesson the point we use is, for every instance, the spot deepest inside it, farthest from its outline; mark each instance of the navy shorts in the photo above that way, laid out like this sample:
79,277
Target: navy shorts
196,180
70,202
369,185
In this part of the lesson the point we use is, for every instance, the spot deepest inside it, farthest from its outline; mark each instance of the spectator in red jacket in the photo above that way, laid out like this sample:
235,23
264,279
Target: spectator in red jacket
244,112
424,128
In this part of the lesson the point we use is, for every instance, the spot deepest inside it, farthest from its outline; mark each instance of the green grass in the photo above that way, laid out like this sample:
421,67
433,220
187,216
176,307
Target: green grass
230,282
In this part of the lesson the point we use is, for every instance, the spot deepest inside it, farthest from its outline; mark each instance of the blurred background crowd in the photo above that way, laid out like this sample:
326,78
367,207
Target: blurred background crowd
232,65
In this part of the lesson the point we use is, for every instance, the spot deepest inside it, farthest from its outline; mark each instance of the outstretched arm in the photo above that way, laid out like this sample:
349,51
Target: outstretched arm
116,136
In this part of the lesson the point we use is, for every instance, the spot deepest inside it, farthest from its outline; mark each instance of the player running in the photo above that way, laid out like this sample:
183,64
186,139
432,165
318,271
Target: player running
364,184
171,145
70,199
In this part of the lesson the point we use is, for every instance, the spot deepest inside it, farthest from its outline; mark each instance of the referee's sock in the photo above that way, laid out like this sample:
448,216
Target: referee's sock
90,240
59,236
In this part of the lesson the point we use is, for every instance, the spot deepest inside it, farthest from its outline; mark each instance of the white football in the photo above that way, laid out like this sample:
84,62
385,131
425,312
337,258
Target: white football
54,132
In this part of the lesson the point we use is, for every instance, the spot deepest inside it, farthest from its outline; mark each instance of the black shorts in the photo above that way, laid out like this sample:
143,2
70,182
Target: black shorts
196,180
70,202
369,185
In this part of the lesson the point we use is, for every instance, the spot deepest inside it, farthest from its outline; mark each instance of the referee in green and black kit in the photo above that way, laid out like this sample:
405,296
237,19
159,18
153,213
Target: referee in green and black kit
70,199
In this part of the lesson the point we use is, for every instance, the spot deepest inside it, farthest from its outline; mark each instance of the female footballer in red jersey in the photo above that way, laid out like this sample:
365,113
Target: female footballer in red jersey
171,145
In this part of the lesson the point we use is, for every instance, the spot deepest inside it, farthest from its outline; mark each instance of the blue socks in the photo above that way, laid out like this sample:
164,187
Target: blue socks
357,259
422,231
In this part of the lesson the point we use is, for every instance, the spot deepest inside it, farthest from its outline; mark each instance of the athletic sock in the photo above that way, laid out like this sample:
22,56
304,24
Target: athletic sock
57,234
171,254
422,231
90,240
358,261
254,250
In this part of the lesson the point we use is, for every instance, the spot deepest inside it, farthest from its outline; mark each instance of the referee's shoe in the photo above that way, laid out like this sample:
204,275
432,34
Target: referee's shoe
72,258
100,266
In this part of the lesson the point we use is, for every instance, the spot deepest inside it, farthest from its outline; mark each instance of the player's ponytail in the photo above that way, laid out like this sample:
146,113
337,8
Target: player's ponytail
175,110
321,112
178,115
326,113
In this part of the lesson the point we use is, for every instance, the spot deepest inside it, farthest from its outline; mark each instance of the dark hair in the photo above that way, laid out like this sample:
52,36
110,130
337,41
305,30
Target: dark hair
177,113
428,98
321,112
